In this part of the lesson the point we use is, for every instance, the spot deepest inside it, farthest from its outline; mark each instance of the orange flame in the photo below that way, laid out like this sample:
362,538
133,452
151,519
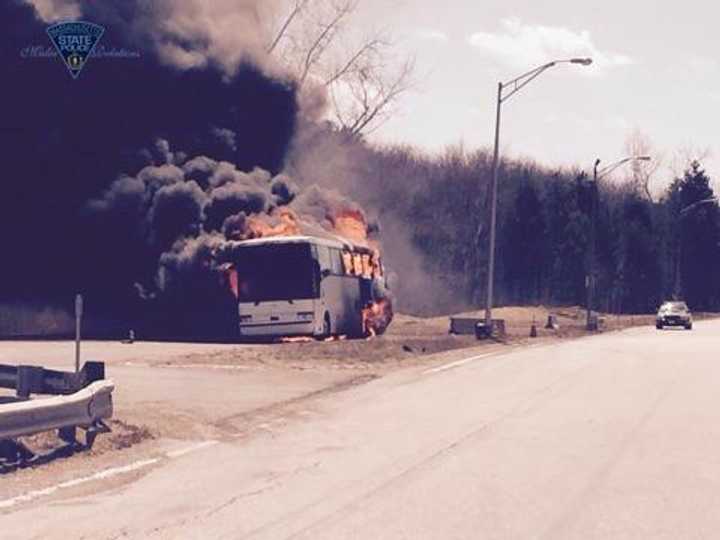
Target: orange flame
280,222
351,224
296,339
377,316
230,275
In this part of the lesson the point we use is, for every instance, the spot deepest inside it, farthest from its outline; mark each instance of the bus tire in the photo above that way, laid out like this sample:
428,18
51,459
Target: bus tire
327,327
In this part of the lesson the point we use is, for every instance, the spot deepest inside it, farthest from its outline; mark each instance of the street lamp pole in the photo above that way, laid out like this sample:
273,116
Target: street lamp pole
593,220
493,215
597,175
513,86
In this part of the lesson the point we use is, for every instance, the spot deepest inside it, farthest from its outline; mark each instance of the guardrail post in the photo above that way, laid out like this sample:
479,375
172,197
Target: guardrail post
68,434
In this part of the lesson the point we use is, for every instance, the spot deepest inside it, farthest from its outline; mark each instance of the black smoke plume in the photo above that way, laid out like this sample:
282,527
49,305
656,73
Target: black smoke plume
181,219
65,141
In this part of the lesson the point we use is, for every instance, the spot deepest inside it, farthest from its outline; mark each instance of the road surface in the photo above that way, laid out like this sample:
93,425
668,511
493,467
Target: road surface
612,436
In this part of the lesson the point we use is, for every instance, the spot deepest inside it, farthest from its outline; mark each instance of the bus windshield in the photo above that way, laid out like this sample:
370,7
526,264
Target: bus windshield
275,272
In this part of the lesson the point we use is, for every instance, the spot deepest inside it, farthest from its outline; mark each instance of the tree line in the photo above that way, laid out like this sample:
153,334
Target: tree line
646,250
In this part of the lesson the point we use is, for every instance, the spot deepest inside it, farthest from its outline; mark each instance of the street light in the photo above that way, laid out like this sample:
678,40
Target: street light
597,175
514,86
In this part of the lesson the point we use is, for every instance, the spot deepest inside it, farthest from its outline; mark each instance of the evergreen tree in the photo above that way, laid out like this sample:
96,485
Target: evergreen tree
696,218
569,231
639,262
525,248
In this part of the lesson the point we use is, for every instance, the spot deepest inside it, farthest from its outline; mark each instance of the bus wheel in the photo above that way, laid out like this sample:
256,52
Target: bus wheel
327,327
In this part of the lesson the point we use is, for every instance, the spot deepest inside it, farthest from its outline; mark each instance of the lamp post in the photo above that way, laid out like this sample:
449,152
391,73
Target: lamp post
597,175
513,86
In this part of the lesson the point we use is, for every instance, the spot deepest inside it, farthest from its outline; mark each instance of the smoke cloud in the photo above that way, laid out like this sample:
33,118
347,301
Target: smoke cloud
68,141
331,159
192,34
94,198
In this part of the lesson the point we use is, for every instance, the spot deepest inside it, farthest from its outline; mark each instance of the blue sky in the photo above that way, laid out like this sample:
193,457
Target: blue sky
657,70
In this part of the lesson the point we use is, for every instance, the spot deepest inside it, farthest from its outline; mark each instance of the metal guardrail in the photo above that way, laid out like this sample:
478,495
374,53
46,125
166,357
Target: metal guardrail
79,400
84,408
26,380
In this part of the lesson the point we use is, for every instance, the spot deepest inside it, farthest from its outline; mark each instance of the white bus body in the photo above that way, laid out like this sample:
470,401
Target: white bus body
302,286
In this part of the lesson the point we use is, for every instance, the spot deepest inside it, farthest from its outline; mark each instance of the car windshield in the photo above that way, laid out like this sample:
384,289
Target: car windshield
675,306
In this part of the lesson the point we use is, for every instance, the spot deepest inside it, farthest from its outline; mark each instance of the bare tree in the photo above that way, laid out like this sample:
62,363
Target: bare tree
283,23
638,144
315,40
685,156
370,95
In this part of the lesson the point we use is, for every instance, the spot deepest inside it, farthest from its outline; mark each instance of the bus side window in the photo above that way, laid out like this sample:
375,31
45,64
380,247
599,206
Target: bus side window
324,258
336,262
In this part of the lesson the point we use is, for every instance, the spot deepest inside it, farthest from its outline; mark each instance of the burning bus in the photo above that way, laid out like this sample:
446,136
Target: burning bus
308,286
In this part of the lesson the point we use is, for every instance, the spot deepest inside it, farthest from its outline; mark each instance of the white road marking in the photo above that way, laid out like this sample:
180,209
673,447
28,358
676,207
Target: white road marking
190,449
473,358
102,475
455,364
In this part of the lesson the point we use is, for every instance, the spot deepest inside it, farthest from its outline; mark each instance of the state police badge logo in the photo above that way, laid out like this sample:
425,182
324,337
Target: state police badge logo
75,42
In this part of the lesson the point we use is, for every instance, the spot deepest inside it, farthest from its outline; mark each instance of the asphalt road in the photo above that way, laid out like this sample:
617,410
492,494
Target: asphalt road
613,436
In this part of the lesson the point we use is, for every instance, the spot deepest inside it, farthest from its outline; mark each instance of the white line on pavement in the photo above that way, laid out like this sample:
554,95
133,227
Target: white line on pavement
102,475
107,473
456,364
190,449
